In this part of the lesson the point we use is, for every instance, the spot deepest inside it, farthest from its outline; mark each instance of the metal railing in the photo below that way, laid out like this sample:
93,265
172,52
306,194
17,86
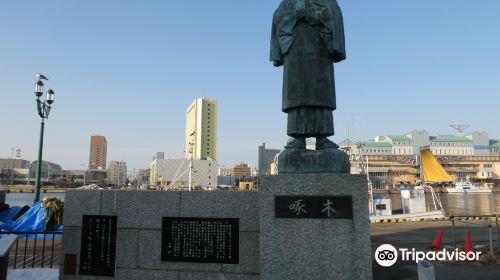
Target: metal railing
486,221
35,249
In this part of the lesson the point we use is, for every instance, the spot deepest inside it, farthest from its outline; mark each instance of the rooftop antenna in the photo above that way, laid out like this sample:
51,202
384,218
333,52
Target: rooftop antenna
460,128
15,152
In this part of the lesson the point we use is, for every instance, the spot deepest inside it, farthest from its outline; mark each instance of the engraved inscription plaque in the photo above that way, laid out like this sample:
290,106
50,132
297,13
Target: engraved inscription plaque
201,240
313,207
98,246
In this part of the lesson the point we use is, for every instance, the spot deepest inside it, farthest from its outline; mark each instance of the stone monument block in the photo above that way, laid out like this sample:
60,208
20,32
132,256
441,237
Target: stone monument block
121,234
301,161
324,235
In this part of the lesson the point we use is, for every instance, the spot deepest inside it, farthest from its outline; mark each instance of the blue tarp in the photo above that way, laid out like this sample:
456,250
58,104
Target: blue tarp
6,215
31,220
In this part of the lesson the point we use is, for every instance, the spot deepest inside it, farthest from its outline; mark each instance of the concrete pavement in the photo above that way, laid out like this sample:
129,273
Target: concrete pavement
420,235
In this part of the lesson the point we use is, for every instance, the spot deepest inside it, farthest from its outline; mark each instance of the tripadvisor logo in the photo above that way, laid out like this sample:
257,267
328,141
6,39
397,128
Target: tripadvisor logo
387,255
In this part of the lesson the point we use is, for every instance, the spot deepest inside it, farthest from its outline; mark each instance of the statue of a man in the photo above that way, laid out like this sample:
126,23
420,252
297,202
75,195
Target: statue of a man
307,38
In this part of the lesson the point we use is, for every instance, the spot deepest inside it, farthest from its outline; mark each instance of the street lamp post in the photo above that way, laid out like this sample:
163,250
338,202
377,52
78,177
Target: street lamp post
43,111
84,174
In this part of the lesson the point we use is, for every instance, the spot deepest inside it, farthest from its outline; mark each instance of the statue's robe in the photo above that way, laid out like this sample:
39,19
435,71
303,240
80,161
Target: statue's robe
307,38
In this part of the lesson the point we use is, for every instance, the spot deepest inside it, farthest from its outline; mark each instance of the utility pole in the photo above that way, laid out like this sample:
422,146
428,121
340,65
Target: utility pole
190,165
84,174
191,151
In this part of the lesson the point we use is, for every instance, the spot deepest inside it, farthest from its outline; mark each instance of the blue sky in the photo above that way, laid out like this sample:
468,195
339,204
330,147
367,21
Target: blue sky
129,69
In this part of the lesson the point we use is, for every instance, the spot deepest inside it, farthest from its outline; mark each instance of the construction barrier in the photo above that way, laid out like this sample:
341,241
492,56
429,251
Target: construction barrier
485,221
461,218
408,220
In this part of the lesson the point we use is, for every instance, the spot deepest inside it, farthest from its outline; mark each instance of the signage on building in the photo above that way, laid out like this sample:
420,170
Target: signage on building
313,207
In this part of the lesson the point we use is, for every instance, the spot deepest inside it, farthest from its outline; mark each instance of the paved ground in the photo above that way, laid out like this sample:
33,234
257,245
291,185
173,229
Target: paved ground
420,236
33,274
22,253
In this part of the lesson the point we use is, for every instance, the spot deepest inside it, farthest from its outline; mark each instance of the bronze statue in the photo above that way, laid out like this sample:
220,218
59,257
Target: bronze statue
307,39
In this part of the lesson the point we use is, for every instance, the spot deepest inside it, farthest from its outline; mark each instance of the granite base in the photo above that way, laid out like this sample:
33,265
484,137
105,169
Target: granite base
302,161
315,248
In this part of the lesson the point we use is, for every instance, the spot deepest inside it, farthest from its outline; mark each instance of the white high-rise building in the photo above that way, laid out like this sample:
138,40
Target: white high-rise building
201,129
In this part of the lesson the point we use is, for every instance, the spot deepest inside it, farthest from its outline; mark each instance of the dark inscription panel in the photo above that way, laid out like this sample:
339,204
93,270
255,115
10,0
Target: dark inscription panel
313,207
98,246
202,240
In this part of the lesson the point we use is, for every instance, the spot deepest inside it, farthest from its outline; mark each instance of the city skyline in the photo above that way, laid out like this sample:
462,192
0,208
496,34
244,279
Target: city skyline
436,69
374,139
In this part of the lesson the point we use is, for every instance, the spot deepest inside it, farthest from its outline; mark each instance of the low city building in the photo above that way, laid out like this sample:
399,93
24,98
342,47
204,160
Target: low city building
443,145
49,170
241,171
401,144
74,176
159,155
247,185
496,171
393,160
481,142
174,173
142,176
96,176
14,176
223,171
419,139
6,176
117,174
226,181
376,148
495,147
14,163
265,159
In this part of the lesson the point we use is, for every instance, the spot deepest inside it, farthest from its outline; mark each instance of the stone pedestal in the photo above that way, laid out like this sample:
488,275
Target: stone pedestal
301,161
312,248
139,232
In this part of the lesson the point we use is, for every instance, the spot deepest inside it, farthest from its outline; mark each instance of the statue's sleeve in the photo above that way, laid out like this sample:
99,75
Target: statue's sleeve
335,24
276,54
